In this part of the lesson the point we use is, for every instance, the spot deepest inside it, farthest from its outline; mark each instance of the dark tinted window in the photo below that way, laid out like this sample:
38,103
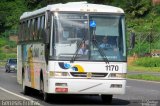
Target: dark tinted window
13,61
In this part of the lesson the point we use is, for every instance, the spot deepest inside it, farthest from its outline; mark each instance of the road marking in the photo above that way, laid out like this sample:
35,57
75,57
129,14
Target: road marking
33,102
144,80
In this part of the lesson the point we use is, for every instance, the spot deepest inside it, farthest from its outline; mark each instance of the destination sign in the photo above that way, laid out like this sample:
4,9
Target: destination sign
72,16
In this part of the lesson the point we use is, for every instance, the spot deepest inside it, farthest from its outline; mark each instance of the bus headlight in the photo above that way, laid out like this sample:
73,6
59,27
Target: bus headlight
117,75
58,74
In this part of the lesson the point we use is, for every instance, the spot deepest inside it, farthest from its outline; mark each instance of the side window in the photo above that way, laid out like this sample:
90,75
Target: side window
20,32
38,27
25,35
28,30
42,26
23,31
35,32
32,30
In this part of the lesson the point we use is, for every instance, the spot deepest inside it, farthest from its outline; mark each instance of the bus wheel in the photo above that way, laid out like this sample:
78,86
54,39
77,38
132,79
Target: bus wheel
107,99
46,96
25,88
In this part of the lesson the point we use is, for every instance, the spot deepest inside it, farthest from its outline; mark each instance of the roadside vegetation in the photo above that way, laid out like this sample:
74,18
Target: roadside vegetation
145,77
148,62
7,49
133,68
142,65
145,64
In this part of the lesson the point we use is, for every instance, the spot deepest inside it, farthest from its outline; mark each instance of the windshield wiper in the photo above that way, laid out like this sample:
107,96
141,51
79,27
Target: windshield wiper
76,53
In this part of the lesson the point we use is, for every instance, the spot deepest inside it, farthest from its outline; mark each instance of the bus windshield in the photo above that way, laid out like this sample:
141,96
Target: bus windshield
90,37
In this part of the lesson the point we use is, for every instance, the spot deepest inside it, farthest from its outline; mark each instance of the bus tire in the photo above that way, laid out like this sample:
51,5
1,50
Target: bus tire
46,96
26,90
107,99
6,70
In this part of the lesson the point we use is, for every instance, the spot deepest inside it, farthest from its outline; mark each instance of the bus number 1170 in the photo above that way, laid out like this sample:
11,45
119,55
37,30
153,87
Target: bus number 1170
112,67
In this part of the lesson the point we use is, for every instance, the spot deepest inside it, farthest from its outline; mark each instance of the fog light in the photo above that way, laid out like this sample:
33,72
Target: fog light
51,73
58,74
61,74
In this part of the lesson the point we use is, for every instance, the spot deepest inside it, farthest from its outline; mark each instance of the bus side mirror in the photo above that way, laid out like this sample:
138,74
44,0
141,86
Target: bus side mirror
132,40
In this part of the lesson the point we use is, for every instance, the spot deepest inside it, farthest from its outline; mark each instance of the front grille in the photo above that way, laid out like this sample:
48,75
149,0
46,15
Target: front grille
88,74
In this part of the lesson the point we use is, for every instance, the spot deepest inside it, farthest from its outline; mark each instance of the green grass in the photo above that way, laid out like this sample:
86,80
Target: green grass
2,63
145,77
147,62
5,56
148,77
7,49
3,42
143,69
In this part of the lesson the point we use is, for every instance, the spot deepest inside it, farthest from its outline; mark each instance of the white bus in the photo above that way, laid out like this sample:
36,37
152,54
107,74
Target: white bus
49,44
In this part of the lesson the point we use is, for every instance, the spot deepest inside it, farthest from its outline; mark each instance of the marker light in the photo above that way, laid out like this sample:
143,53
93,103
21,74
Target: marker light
117,75
92,24
58,74
61,87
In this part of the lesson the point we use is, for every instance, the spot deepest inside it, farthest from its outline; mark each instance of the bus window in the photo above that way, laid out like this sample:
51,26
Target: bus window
23,31
32,30
42,27
70,31
35,31
38,27
28,29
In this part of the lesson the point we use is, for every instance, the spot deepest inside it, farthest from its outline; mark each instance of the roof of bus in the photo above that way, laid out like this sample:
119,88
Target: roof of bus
75,7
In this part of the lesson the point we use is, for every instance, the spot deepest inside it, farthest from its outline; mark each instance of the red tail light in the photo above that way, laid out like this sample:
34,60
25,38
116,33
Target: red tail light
61,90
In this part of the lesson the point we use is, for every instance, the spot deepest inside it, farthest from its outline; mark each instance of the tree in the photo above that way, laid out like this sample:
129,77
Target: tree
137,8
4,12
10,11
17,8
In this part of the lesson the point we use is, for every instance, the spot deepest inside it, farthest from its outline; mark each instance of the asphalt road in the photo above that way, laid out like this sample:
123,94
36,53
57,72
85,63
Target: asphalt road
138,93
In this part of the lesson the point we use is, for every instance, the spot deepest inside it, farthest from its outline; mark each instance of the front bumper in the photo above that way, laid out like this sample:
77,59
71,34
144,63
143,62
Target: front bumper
13,68
88,86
